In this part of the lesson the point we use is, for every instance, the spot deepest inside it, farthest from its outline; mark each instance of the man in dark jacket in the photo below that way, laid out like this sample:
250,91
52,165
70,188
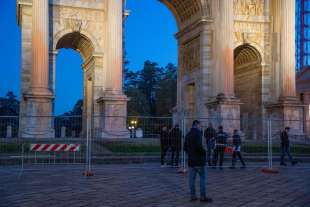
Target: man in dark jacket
285,147
176,145
220,144
196,161
209,135
164,144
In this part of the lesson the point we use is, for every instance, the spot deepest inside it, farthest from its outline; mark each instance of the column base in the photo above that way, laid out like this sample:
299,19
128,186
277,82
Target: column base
37,121
288,112
112,120
225,111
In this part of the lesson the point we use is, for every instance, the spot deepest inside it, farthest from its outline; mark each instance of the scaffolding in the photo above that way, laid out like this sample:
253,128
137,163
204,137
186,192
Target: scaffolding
302,34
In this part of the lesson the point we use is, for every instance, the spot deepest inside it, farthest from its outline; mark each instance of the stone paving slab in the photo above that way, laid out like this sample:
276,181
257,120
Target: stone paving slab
138,185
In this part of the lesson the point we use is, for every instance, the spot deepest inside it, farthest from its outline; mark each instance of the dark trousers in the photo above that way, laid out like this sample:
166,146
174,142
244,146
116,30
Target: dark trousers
218,152
234,156
210,147
285,150
164,150
175,157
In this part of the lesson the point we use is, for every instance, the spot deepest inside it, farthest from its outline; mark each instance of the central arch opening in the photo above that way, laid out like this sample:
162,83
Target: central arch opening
152,54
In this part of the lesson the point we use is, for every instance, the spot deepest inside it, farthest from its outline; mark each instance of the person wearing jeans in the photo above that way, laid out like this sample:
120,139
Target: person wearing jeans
196,161
193,171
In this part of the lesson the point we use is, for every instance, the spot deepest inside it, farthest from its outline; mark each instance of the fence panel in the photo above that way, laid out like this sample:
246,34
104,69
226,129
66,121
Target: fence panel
141,140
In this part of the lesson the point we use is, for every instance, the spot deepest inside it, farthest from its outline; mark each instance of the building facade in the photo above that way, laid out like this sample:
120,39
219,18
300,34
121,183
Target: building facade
236,59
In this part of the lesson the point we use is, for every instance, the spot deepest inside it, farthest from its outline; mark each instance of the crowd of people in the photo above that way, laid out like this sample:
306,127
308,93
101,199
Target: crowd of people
216,142
213,155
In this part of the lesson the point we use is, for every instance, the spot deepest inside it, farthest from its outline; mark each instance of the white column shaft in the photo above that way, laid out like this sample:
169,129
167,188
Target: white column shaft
287,38
115,45
224,48
40,56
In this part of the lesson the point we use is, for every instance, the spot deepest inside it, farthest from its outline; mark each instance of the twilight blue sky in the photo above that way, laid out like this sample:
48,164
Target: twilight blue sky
150,33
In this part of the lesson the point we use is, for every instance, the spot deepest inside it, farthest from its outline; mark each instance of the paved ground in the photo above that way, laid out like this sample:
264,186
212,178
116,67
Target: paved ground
148,185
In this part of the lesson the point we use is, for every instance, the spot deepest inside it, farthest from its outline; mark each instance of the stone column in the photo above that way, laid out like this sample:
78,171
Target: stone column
37,120
288,111
224,46
115,46
205,48
113,102
225,108
40,47
287,54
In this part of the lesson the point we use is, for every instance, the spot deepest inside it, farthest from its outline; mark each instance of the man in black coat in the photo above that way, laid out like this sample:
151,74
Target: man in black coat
285,147
176,145
209,135
164,144
196,161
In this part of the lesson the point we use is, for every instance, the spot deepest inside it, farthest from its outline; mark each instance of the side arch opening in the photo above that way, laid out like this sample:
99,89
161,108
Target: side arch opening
248,88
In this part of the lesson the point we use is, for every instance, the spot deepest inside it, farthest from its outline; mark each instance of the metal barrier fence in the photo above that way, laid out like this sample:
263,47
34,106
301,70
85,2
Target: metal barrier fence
261,140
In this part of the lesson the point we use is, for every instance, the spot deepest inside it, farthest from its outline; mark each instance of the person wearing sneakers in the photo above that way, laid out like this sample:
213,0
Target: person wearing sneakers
237,150
196,161
285,147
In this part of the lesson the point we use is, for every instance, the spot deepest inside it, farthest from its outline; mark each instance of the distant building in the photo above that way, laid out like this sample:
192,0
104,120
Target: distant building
303,90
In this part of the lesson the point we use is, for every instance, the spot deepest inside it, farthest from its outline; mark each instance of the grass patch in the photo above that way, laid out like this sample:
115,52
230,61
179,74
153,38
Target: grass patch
11,148
133,148
142,148
259,148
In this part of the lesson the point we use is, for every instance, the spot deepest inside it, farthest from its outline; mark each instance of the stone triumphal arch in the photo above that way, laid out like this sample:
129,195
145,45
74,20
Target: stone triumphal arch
236,58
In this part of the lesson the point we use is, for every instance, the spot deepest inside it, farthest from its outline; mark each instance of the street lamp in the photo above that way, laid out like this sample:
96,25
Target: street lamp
132,127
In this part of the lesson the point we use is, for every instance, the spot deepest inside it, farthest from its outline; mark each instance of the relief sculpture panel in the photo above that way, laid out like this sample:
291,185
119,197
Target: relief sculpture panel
249,7
190,57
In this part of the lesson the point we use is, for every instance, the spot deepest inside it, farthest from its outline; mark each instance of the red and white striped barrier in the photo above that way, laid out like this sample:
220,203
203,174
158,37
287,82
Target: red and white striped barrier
55,147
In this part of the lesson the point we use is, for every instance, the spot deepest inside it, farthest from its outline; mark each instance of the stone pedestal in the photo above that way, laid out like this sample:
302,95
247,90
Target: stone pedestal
288,112
112,121
37,122
226,112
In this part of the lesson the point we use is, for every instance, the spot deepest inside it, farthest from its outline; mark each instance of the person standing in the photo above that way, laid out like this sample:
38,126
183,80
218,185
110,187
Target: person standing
220,144
285,147
196,161
176,145
164,144
209,135
237,149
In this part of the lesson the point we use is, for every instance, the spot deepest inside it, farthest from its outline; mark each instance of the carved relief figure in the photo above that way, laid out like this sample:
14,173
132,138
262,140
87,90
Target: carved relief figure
249,7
